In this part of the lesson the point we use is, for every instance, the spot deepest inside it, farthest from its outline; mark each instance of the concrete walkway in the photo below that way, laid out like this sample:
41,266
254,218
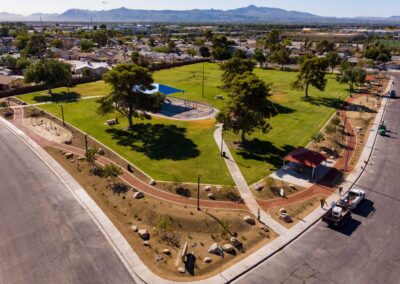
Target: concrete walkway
244,189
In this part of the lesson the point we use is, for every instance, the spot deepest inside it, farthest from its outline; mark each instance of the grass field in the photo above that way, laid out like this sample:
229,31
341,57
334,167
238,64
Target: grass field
164,149
98,88
297,121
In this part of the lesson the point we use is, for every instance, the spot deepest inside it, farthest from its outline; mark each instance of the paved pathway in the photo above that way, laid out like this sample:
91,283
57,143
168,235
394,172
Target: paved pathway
244,189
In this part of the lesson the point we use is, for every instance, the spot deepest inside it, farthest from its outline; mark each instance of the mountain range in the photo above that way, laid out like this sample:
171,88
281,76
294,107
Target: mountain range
250,14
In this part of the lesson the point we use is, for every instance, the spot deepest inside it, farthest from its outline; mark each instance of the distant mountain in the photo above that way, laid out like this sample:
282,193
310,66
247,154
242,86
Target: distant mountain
250,14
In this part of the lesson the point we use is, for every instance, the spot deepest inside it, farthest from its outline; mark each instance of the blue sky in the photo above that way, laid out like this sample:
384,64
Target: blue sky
340,8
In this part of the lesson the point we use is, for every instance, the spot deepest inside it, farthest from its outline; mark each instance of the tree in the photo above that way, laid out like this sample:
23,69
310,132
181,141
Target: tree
9,62
36,46
90,156
330,129
23,63
312,72
325,46
234,67
272,38
353,76
50,72
204,51
112,171
100,37
318,138
4,31
280,55
333,59
129,83
135,57
163,226
259,57
57,43
192,52
21,41
248,107
220,48
239,53
86,45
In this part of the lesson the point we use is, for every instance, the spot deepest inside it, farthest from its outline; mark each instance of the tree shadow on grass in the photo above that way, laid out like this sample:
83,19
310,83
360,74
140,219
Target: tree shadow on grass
264,151
58,97
157,141
326,102
281,109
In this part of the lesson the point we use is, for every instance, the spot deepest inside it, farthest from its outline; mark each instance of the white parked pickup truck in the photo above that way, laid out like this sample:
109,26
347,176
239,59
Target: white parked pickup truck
352,198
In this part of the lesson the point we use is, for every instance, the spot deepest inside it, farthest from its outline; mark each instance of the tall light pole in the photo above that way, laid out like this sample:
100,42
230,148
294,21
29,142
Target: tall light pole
222,140
202,85
62,114
198,192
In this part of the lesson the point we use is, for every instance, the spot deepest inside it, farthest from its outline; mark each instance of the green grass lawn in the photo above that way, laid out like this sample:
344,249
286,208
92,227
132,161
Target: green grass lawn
98,88
165,149
297,122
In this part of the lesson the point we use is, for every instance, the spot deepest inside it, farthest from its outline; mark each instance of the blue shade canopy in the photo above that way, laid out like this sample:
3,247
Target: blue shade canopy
160,88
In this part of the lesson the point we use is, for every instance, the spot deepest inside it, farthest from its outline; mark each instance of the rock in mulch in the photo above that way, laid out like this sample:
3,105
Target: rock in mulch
207,188
229,248
207,259
235,242
211,196
144,234
146,243
138,195
249,220
68,155
101,151
135,228
159,257
214,249
152,182
182,270
166,251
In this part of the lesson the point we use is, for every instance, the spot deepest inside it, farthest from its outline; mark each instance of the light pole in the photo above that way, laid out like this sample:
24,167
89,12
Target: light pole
202,85
62,114
198,193
86,142
222,140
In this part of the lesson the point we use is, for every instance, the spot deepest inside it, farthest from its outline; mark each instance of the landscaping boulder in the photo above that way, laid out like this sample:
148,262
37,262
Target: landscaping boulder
69,155
158,257
166,251
144,234
229,248
286,218
211,196
258,187
249,220
152,182
235,242
101,151
68,142
146,243
207,188
214,249
182,270
207,259
135,229
138,195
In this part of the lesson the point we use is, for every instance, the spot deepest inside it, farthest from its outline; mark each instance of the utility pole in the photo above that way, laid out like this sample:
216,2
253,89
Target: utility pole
198,193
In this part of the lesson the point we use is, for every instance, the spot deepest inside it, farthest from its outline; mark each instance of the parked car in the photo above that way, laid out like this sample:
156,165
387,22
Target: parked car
337,216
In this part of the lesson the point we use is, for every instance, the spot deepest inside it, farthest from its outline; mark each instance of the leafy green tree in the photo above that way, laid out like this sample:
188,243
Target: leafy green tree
325,46
239,53
100,37
21,40
353,76
4,31
135,57
233,67
248,107
9,62
220,49
23,63
86,45
57,43
129,83
36,46
312,72
259,57
204,51
272,38
192,52
330,129
112,171
90,155
333,59
319,138
50,72
280,55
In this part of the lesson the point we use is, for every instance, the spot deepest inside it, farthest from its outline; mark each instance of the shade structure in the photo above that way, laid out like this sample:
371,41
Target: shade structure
305,157
159,88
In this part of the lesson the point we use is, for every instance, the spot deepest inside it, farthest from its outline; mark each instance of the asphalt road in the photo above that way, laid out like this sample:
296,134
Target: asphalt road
45,235
367,250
